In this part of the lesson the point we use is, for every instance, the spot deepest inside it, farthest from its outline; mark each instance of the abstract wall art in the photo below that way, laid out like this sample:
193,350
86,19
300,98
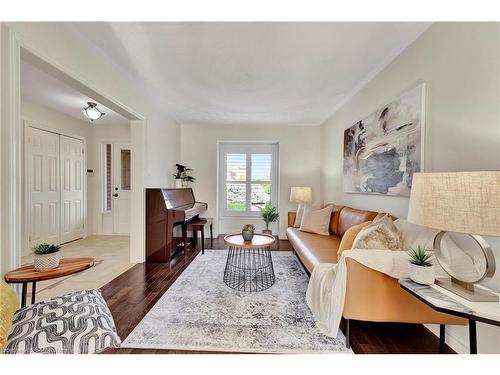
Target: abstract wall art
382,151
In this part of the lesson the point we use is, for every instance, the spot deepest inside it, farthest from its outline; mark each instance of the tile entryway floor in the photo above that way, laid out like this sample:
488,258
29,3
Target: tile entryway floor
112,258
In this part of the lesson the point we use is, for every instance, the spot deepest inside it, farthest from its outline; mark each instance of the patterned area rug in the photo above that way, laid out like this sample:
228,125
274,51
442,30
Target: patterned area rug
199,312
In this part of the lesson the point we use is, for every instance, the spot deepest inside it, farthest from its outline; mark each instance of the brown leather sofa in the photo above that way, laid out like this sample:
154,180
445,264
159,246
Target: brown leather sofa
370,295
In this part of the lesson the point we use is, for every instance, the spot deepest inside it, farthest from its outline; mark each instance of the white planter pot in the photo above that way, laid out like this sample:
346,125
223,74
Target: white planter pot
422,275
46,262
178,183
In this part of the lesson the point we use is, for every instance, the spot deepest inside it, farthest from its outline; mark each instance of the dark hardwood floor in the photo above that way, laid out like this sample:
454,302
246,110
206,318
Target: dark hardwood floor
132,294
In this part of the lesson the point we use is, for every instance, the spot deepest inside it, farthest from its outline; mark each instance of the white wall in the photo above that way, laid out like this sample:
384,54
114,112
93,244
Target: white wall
299,163
460,63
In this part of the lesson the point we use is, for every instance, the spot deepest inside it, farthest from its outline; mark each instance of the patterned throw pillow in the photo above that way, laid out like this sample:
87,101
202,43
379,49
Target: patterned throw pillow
380,235
75,323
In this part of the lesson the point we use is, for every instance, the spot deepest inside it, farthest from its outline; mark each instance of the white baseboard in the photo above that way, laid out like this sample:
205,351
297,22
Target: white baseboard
453,341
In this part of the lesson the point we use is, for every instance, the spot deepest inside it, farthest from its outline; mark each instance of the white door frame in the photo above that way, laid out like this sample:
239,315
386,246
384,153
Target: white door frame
27,123
12,140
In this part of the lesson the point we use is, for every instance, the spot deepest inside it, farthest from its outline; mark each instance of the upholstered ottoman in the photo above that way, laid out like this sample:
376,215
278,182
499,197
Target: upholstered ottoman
75,323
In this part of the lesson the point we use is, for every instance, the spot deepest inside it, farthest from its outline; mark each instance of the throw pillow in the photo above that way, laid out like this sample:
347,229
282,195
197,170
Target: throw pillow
316,221
382,235
75,323
349,237
415,235
300,211
8,306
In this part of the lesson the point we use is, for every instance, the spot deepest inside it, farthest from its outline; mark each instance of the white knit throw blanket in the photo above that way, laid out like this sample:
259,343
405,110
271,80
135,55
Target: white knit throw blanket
326,291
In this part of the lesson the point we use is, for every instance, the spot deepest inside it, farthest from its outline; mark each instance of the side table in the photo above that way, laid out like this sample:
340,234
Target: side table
28,274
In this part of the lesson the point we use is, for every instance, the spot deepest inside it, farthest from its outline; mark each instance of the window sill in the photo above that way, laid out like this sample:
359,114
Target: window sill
232,216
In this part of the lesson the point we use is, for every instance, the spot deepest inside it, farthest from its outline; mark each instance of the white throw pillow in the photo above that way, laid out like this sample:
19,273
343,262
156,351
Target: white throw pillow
381,235
316,221
415,235
300,211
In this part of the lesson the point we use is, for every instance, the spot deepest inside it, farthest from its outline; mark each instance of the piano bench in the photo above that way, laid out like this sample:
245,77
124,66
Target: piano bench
198,225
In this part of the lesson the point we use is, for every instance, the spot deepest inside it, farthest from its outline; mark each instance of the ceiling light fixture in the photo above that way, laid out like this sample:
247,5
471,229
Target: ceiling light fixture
91,111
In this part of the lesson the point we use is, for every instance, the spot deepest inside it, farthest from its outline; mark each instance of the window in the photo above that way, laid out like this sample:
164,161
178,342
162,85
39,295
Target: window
125,169
107,178
248,177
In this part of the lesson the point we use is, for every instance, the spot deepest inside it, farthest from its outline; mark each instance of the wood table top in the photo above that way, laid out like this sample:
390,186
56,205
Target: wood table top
67,266
259,240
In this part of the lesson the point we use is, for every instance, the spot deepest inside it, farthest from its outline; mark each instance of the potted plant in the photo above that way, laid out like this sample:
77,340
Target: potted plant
247,232
182,176
270,215
421,270
46,257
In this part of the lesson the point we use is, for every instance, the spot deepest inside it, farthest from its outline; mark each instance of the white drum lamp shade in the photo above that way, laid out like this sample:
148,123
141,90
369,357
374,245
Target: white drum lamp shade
466,202
300,194
463,202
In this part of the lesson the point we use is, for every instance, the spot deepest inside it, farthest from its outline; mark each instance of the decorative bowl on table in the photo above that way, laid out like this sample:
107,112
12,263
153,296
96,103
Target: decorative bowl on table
247,232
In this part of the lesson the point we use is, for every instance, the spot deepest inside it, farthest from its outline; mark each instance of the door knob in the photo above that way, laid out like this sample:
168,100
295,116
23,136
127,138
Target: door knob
115,195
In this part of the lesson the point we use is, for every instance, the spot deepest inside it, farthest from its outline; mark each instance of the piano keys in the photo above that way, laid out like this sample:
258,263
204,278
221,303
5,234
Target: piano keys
165,210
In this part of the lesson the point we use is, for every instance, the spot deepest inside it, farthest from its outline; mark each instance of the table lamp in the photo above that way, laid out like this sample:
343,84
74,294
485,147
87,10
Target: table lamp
461,202
301,194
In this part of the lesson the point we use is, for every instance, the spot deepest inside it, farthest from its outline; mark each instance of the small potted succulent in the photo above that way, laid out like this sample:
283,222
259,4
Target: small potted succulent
421,269
270,214
46,257
247,232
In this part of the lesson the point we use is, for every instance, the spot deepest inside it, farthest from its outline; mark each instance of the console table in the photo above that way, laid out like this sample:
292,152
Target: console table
444,301
28,274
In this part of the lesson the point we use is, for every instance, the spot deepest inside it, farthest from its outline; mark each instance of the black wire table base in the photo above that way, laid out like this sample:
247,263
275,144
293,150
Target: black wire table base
249,270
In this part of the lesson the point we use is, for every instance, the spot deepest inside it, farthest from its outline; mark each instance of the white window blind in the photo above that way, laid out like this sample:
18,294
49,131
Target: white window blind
247,177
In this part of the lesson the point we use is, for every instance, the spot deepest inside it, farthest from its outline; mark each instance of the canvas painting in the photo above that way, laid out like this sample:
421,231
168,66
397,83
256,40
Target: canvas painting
382,151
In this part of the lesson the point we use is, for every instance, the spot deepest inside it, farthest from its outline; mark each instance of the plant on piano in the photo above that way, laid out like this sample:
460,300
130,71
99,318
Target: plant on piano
182,173
270,214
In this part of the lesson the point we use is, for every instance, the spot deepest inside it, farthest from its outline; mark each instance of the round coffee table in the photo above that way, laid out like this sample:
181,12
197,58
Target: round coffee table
249,265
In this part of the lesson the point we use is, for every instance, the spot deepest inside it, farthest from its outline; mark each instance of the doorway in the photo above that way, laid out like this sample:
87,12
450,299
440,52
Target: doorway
63,182
14,227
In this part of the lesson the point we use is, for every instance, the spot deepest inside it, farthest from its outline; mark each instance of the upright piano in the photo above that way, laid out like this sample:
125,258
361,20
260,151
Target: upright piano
166,209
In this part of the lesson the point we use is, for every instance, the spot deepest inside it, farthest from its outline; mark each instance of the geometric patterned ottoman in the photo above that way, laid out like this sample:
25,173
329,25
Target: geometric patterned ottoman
75,323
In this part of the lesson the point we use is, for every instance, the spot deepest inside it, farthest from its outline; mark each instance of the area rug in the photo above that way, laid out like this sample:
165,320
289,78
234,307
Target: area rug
199,312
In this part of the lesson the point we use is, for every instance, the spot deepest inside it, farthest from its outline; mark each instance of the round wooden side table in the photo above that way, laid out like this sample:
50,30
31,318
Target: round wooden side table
28,274
249,264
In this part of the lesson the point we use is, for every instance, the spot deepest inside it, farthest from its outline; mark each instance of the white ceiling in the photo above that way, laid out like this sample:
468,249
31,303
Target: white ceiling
250,73
41,88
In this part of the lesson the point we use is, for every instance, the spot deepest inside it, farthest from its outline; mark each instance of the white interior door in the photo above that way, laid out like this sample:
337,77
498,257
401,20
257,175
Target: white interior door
42,153
121,188
72,209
